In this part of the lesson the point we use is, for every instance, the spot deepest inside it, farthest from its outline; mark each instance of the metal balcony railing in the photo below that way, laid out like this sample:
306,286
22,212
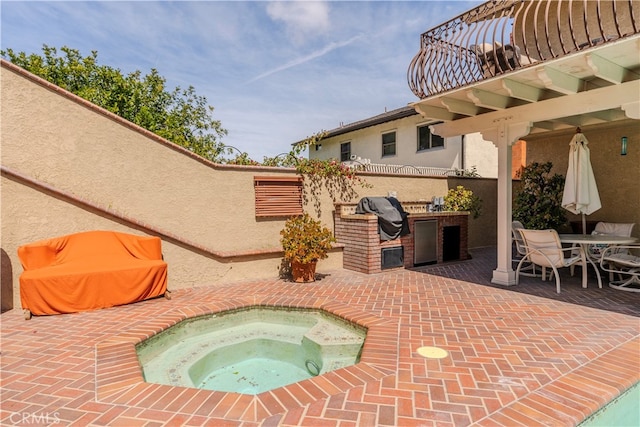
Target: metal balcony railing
501,36
402,169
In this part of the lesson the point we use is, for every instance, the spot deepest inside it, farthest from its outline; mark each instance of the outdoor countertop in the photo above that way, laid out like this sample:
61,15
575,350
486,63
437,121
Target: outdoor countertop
411,215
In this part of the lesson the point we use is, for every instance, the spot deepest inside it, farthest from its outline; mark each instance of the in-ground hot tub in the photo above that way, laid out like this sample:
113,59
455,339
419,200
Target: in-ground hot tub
250,350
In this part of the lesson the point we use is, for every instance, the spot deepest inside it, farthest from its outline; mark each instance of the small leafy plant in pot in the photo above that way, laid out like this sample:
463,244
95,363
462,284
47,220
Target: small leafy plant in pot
305,241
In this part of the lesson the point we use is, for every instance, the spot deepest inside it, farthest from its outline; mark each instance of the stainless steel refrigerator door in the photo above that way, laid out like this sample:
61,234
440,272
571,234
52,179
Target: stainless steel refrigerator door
425,242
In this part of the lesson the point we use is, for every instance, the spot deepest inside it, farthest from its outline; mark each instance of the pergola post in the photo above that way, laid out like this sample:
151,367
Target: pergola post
504,135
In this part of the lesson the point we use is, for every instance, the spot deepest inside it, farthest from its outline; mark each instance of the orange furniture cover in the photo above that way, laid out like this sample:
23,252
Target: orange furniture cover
90,270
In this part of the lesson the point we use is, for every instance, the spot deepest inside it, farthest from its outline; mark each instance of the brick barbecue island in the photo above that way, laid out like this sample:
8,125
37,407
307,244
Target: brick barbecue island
434,237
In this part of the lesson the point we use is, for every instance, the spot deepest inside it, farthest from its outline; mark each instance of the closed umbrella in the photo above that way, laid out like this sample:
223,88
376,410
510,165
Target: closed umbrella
580,191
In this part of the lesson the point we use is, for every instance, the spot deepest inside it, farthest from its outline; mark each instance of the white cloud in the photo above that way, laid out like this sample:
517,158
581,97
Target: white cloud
301,18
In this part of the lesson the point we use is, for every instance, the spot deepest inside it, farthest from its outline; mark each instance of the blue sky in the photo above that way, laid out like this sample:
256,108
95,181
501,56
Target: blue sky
276,72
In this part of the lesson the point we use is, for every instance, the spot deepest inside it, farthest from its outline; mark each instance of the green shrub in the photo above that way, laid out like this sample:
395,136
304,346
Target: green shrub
461,199
538,205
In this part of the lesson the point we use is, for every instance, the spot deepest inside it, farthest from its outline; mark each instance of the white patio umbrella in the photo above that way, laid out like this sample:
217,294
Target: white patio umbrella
580,191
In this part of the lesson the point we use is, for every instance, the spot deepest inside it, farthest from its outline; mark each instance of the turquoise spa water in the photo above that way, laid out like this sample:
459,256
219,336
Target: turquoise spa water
623,411
251,367
250,350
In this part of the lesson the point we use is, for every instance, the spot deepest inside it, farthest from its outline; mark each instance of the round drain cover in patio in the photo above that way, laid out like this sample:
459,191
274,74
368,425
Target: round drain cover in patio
432,352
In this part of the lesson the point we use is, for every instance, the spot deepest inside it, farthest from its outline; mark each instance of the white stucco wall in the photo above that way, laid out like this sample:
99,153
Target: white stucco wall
367,144
482,154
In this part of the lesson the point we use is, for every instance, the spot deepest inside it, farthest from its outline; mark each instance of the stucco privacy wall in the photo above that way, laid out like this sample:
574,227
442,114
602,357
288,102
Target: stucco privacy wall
52,139
29,214
63,144
70,147
617,176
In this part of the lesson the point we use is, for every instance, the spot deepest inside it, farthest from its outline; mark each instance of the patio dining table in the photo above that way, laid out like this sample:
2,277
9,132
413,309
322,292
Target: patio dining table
584,240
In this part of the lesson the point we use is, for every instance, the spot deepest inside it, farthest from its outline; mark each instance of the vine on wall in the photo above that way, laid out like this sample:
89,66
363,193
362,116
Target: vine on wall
338,179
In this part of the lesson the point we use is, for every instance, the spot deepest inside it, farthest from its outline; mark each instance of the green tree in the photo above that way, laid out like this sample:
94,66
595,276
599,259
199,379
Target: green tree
538,205
179,115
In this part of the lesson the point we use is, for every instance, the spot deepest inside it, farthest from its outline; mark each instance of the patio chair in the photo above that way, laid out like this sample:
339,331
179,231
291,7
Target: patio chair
615,260
594,252
545,250
529,269
486,58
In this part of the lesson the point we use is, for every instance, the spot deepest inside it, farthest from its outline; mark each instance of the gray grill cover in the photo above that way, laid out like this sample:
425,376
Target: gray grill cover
392,219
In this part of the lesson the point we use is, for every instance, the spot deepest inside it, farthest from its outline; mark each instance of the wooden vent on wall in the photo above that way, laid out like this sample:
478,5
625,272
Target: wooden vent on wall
278,196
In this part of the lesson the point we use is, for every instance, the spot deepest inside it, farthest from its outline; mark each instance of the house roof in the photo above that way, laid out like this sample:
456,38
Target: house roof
385,117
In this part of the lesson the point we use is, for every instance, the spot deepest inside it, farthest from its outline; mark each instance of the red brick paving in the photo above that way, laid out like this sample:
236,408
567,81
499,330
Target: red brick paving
517,356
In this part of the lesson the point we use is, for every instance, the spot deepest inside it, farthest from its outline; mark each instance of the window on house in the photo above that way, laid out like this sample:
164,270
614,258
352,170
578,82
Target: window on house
427,140
345,151
388,144
278,196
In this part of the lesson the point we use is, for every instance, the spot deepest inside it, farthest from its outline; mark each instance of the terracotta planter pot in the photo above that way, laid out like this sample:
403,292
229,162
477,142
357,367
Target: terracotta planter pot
303,273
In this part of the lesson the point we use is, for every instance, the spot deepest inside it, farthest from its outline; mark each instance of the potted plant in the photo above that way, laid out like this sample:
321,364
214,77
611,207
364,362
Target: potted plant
305,241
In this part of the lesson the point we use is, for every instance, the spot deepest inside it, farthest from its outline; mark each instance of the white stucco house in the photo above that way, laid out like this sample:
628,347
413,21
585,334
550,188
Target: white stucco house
403,138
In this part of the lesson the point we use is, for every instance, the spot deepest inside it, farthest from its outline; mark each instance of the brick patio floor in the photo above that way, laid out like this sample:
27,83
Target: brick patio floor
517,356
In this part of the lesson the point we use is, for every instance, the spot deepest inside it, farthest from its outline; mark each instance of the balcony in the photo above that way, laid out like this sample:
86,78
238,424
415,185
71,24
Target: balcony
503,36
542,65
